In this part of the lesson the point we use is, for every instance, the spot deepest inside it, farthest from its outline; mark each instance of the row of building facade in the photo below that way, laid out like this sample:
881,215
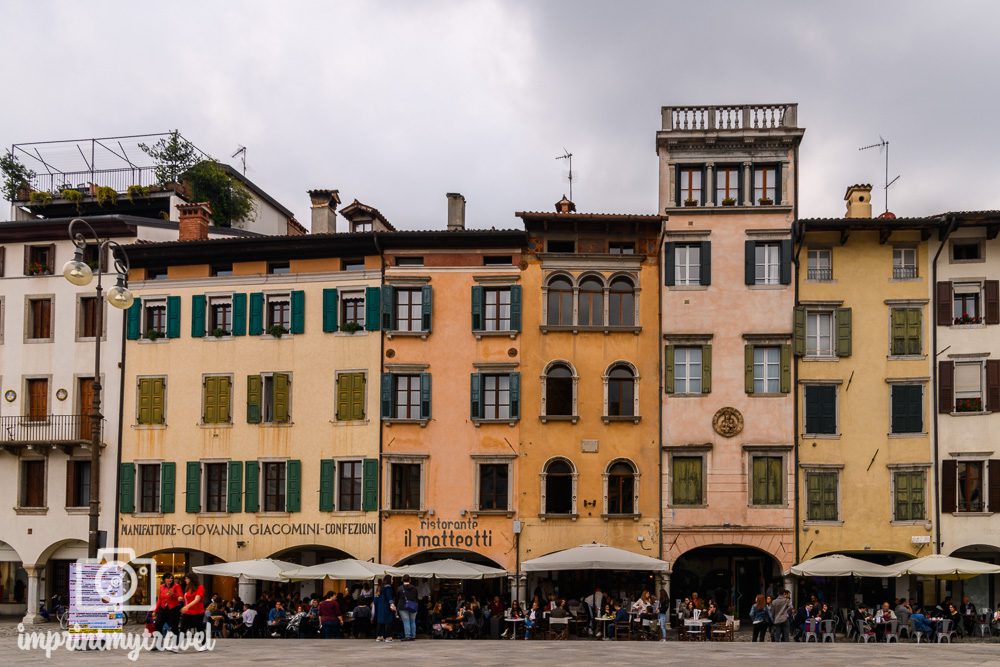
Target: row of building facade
719,384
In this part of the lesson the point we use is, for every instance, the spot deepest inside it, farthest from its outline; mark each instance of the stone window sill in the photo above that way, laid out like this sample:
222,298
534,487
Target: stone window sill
287,424
607,331
420,422
822,436
779,286
976,413
480,422
820,358
682,506
32,341
901,436
908,522
687,288
821,524
498,334
213,426
418,513
31,511
153,341
968,326
907,357
351,334
212,338
149,427
768,395
148,515
971,514
559,418
350,422
212,515
507,513
274,515
78,511
422,335
550,517
607,419
611,517
686,395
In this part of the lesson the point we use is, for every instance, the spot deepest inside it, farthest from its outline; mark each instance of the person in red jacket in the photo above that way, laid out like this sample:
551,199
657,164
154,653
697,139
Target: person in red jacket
193,611
168,605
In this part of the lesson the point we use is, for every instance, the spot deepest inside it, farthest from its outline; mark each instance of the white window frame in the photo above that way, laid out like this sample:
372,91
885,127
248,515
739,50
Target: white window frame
574,478
216,299
687,272
420,460
815,338
816,256
765,378
270,297
771,263
262,486
635,487
981,394
904,258
153,302
346,295
687,365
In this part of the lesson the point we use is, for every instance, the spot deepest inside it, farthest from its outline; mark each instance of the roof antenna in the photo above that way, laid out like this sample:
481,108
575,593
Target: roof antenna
568,156
883,147
242,152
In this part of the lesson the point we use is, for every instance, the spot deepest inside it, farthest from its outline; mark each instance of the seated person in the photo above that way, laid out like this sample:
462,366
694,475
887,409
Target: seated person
533,618
715,615
438,624
920,621
560,610
276,619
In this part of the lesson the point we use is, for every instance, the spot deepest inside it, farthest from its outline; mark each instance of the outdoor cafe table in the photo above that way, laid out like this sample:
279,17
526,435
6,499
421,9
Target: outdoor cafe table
697,623
513,625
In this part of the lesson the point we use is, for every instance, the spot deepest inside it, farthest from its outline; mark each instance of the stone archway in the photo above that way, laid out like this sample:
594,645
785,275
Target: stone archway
731,574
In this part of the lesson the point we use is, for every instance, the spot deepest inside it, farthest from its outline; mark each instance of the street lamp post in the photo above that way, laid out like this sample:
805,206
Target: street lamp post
78,272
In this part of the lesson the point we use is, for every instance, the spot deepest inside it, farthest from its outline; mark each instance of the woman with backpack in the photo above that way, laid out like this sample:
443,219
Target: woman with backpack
408,606
385,611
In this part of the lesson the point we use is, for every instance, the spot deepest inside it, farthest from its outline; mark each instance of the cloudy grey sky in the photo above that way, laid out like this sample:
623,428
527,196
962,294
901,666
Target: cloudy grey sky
398,102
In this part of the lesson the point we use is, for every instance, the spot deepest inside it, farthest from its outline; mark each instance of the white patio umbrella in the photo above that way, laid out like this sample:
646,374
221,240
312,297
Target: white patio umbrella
349,569
264,569
449,568
838,565
944,567
595,557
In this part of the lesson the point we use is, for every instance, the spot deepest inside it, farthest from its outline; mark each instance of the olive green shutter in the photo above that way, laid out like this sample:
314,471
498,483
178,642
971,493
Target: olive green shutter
350,396
369,488
843,332
478,302
914,330
426,307
144,415
343,402
251,501
372,310
897,324
293,486
156,401
281,389
192,487
168,484
759,478
298,312
235,483
240,314
133,327
255,388
425,395
126,488
173,317
224,400
358,395
515,307
786,369
197,316
329,310
388,302
668,370
256,326
475,396
799,331
706,369
326,471
209,399
515,395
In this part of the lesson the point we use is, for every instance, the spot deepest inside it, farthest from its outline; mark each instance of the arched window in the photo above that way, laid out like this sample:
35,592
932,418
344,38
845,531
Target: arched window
621,392
558,488
621,488
559,391
621,303
591,310
560,302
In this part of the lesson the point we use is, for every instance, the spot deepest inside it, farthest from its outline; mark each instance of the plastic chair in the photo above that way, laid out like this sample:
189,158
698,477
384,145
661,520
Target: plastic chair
944,631
865,633
892,632
828,630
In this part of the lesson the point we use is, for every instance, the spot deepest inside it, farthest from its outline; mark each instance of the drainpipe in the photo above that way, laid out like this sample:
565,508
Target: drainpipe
661,396
381,355
942,237
796,232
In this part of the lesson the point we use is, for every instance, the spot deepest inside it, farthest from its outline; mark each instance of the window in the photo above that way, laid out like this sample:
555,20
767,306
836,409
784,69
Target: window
621,392
966,251
150,408
77,483
969,387
156,273
687,370
149,488
37,394
406,397
407,403
904,263
91,256
410,261
352,310
493,485
767,475
350,396
349,476
821,496
767,263
39,319
965,303
39,260
362,226
496,396
220,315
405,481
765,183
497,309
216,399
278,268
970,476
766,369
32,483
221,270
820,264
87,317
497,260
154,317
821,409
559,489
908,492
686,484
820,337
409,309
687,264
621,248
353,264
559,390
216,487
560,302
727,185
276,398
689,184
621,488
279,312
275,487
621,303
907,408
591,307
906,328
561,246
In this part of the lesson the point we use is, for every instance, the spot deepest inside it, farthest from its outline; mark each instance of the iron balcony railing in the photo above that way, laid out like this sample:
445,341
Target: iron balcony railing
87,181
50,429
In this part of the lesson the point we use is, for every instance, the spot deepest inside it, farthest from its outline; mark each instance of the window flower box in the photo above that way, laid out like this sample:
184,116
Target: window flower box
690,202
764,201
968,405
968,319
729,201
277,331
38,269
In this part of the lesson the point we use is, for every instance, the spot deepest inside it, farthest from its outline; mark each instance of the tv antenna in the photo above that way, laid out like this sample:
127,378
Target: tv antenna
883,147
568,157
242,152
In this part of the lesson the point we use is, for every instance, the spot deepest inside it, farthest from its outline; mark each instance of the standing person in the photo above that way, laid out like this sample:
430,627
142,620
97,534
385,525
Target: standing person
595,602
168,606
408,606
385,611
663,613
193,611
760,616
331,618
780,609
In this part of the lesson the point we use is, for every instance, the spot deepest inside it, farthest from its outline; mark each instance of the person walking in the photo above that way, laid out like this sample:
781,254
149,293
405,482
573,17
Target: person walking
760,616
663,613
331,618
193,611
408,606
385,611
168,606
780,610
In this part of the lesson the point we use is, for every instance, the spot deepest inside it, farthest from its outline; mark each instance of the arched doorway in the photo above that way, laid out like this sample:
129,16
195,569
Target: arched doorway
305,555
982,590
13,582
448,591
732,575
55,561
179,562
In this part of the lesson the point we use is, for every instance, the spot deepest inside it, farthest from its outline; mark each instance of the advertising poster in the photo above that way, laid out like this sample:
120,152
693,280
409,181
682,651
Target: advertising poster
95,593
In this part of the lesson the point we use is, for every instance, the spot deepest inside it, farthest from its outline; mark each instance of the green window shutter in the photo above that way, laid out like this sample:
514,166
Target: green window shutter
515,307
843,332
748,369
914,331
255,390
251,501
329,310
298,311
426,306
173,317
821,409
799,331
133,327
235,483
907,408
476,396
388,301
749,262
786,261
425,395
326,472
897,324
687,480
386,395
477,307
192,487
812,496
281,391
239,314
369,488
786,369
706,263
902,491
157,403
293,486
197,316
777,184
668,370
515,395
256,326
210,398
350,396
168,484
669,264
224,400
706,369
126,488
372,310
917,496
775,473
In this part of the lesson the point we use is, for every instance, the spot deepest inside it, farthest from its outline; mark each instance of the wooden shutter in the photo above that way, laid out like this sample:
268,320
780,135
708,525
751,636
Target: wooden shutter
343,397
239,314
145,411
126,488
897,326
235,483
991,289
209,400
748,369
425,395
173,317
785,384
906,408
192,487
224,400
942,302
388,302
357,396
293,486
330,310
914,331
327,468
369,488
256,324
706,369
749,262
993,385
476,396
477,307
843,332
168,484
70,484
515,307
134,320
197,315
426,307
157,402
759,479
281,397
298,298
251,500
705,253
669,264
668,369
946,386
372,308
255,390
515,395
949,486
993,491
799,331
387,396
786,259
777,182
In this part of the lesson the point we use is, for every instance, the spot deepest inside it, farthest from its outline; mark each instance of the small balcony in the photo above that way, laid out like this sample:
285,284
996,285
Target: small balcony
740,117
820,274
904,272
48,430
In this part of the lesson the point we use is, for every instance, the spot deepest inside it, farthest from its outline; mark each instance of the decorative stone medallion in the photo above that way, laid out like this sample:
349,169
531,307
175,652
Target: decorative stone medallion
728,422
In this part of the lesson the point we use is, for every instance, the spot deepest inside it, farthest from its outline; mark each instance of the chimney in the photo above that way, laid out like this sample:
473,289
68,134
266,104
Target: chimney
194,221
456,212
324,211
859,201
564,205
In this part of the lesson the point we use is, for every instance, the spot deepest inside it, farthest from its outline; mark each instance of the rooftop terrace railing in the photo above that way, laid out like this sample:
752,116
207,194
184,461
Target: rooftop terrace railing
729,117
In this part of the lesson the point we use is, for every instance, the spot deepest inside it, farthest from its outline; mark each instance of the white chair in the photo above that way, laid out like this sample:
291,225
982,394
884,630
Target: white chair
865,633
914,633
812,630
